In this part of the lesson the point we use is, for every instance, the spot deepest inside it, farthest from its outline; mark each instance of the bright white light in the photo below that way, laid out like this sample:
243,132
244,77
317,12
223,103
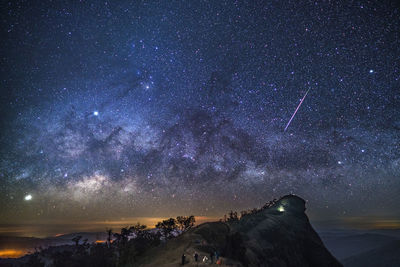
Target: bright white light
281,209
28,197
96,113
371,71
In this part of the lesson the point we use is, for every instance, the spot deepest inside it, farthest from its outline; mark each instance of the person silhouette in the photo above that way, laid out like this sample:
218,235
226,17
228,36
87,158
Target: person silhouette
183,259
196,256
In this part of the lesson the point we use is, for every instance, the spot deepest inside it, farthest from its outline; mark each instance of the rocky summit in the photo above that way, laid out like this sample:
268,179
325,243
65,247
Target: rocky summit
280,235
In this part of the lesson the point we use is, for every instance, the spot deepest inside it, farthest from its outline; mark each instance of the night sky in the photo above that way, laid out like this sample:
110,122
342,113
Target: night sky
116,110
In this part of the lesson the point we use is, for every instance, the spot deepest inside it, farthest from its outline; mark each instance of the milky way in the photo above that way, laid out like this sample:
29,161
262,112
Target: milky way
160,108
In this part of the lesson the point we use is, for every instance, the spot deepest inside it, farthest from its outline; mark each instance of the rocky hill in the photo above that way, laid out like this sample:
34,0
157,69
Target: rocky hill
280,235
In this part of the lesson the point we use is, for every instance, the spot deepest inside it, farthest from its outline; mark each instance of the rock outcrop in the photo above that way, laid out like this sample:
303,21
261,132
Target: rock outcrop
280,235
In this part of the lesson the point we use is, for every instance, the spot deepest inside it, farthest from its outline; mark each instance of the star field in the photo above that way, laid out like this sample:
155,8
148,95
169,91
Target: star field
158,108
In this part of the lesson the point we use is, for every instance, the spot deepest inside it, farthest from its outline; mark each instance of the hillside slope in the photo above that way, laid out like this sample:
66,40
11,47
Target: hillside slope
278,236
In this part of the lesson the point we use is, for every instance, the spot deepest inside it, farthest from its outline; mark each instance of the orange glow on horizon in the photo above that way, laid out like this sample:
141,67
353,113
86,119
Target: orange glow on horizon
150,222
12,253
40,230
387,224
373,223
100,241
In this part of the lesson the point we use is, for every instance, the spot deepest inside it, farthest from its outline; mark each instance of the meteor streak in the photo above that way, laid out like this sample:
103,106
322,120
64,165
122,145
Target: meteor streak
301,102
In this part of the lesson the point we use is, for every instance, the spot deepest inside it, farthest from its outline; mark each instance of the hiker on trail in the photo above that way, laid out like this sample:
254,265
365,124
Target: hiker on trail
183,259
216,255
212,257
196,256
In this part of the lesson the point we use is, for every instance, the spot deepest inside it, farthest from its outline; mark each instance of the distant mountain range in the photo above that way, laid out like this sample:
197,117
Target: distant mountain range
386,255
364,248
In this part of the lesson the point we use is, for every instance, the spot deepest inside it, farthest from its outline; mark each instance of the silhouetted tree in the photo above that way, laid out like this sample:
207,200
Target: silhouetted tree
269,204
243,213
125,232
117,237
76,239
184,223
189,222
233,216
123,246
180,221
138,229
109,234
167,226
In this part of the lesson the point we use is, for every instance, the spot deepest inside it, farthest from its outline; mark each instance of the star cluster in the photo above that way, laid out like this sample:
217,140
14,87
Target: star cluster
158,108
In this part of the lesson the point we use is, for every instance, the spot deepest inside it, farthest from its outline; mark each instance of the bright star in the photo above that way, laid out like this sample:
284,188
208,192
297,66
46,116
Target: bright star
371,71
28,197
96,113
